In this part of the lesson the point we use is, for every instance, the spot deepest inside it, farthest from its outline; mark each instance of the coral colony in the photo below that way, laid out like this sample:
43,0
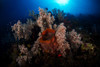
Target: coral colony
52,39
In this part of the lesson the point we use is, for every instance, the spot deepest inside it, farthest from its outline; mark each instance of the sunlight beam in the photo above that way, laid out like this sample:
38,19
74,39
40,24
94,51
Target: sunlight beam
62,2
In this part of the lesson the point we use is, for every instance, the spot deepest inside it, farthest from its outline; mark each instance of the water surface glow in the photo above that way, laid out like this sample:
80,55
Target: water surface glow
62,2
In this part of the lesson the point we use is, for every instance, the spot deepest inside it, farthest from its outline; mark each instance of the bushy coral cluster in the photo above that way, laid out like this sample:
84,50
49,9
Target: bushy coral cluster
23,30
58,14
35,48
23,49
61,39
75,39
21,60
45,20
52,38
24,55
32,14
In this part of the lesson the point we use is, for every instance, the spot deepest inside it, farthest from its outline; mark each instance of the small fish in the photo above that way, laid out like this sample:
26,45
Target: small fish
46,8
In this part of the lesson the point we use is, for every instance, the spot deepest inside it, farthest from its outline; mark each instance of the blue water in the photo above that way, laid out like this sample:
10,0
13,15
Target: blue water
12,9
86,11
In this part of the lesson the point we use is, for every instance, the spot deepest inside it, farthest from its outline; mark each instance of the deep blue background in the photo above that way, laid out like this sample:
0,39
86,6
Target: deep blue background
17,9
13,10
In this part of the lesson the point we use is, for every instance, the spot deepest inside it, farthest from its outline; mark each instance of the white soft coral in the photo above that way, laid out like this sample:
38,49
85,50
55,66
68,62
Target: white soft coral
23,49
45,20
74,38
23,30
61,39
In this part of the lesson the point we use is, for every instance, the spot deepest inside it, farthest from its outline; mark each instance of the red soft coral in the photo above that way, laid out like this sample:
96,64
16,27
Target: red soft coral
48,41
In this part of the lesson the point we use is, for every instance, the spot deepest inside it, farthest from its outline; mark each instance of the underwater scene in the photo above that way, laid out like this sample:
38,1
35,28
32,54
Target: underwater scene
50,33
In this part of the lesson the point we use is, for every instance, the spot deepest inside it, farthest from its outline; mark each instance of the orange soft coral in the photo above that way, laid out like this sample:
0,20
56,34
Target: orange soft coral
48,41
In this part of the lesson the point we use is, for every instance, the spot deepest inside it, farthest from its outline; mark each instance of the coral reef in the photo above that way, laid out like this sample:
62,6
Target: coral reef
53,40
